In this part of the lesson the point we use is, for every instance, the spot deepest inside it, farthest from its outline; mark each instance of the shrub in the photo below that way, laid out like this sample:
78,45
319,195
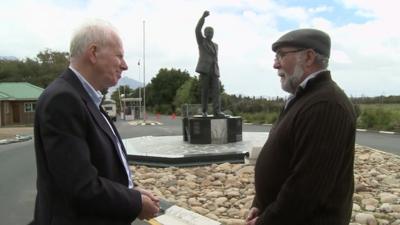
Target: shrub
260,117
377,118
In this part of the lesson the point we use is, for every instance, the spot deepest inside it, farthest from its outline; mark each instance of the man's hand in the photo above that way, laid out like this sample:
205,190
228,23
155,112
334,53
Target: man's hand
253,215
154,198
252,222
205,14
149,208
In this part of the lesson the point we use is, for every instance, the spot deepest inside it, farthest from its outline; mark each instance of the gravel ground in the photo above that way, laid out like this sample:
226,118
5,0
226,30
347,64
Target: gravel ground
224,192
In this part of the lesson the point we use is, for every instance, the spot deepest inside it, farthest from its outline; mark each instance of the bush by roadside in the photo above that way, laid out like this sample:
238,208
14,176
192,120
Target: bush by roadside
260,117
370,116
379,119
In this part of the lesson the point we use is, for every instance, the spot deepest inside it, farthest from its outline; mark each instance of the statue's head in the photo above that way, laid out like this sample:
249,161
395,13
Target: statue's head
209,33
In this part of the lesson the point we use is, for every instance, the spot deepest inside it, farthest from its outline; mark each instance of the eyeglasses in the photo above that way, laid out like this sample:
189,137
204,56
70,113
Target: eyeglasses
280,54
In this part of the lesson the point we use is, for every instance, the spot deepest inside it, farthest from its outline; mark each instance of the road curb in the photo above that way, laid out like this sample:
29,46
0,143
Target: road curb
359,129
18,138
143,123
379,131
387,132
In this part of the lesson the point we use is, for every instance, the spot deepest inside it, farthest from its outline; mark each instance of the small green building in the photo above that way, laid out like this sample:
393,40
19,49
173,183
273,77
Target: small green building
18,103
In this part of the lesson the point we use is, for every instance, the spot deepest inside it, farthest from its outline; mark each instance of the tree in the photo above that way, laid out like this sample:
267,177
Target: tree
51,63
188,93
10,70
39,71
163,88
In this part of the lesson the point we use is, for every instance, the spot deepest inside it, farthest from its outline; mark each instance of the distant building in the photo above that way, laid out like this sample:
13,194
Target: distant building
131,108
18,103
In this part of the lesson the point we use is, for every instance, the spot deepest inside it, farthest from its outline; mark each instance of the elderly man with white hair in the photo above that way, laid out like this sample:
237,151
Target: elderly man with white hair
82,173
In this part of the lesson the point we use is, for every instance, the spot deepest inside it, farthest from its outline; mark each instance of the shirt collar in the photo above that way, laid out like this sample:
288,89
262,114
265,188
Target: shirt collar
303,84
305,81
96,96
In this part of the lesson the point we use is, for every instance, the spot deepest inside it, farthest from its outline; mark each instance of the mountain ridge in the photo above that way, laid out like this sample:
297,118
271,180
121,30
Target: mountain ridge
132,83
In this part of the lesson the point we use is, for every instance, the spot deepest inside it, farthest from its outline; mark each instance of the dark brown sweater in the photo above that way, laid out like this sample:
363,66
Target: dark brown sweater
304,173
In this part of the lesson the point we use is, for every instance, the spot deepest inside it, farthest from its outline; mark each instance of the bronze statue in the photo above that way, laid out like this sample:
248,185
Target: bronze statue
207,66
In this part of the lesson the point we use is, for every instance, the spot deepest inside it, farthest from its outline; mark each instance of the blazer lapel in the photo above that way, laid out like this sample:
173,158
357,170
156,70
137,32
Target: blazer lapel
101,122
114,128
71,78
209,46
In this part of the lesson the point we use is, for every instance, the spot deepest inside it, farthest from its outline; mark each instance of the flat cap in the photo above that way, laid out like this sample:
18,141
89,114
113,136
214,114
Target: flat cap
305,38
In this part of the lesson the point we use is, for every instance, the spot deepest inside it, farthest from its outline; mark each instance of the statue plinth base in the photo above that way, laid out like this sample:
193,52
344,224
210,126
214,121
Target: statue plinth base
212,130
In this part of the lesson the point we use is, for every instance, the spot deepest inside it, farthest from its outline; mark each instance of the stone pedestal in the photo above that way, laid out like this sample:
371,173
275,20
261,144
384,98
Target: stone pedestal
253,155
212,130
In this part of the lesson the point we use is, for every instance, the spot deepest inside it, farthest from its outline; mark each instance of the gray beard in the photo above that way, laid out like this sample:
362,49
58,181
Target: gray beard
293,81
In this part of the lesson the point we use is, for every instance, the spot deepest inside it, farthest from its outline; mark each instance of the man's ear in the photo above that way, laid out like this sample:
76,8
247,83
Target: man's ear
92,53
310,57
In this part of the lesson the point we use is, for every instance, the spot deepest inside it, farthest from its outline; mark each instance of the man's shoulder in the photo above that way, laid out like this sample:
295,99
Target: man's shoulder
59,86
323,93
328,94
329,90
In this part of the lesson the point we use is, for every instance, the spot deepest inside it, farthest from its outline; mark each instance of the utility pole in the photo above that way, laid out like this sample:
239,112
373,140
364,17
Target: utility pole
120,103
144,74
140,93
125,102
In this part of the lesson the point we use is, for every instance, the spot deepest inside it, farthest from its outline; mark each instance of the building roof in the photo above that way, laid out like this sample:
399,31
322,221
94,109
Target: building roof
19,91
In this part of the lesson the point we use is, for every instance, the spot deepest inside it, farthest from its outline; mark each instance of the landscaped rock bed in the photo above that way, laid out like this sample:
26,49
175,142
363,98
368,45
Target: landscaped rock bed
224,192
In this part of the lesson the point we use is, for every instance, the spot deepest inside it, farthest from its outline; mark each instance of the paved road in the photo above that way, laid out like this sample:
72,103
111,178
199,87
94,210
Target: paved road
17,183
170,127
385,142
18,170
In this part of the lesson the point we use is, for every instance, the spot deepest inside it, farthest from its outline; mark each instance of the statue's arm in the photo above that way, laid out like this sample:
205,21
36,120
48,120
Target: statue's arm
199,35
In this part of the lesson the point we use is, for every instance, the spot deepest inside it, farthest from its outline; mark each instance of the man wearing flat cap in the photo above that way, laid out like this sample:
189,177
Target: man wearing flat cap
304,172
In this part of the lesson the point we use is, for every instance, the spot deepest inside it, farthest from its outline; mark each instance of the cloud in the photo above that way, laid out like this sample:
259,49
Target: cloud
320,9
364,54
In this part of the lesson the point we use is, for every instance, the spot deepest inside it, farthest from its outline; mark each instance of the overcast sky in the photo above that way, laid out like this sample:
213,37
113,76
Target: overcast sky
365,56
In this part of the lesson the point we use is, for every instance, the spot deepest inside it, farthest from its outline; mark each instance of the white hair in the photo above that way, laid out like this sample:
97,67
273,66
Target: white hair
92,32
321,60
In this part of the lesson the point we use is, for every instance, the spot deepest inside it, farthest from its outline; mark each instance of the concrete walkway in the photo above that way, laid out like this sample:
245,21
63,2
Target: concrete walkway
172,150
